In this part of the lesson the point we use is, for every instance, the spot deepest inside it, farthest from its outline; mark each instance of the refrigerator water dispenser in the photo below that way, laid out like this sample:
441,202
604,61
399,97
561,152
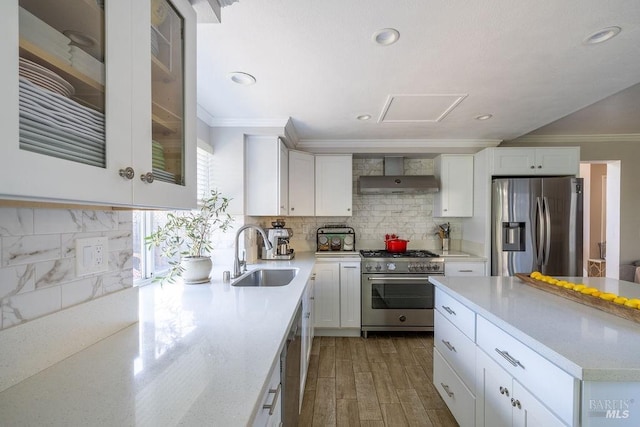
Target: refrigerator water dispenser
513,236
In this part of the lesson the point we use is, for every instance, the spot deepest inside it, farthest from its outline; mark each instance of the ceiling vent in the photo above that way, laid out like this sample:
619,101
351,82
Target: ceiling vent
395,182
419,108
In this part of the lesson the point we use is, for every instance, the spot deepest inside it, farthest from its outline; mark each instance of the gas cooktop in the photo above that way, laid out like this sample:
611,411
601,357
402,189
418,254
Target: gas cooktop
381,253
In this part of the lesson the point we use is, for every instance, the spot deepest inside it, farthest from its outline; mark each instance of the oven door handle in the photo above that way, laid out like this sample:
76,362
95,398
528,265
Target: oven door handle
399,279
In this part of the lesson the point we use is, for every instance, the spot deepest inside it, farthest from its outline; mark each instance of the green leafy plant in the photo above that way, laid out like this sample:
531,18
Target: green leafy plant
188,234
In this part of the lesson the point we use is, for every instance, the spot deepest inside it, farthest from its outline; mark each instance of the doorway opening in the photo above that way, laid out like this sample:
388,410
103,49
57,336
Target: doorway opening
601,234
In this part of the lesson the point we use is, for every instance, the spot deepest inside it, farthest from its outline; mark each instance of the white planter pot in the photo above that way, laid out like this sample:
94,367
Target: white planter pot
197,269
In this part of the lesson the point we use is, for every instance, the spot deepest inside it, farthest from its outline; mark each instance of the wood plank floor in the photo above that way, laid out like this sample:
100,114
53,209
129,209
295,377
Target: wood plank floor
384,380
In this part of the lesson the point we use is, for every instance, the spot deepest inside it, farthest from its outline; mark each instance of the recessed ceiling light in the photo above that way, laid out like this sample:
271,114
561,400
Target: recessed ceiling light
242,78
602,35
364,117
483,117
386,36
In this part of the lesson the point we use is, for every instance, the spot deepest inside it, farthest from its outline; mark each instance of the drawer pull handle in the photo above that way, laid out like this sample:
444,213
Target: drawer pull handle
276,394
465,271
515,362
446,389
516,403
448,310
504,391
449,346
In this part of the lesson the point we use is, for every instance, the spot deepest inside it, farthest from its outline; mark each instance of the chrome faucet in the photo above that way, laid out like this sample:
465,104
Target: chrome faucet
236,260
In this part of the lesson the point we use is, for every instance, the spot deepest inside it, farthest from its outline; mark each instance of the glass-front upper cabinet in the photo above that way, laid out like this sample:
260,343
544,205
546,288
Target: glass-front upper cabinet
169,58
70,126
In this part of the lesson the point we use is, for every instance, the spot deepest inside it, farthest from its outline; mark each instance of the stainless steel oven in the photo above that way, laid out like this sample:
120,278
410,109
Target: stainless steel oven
396,292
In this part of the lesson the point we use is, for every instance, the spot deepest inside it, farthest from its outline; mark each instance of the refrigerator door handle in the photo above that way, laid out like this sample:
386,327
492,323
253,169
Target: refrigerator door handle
547,226
539,242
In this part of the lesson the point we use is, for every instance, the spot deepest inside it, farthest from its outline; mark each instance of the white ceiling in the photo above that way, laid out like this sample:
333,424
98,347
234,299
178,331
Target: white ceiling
521,61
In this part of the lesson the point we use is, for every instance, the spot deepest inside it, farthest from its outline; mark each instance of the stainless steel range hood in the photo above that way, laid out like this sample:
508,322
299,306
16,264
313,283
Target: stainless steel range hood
395,182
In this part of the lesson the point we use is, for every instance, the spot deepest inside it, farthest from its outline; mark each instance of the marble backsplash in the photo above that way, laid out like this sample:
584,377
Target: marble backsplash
409,216
37,260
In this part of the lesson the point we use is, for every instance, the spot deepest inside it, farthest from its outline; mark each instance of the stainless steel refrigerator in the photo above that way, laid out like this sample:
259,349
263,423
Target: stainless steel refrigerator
536,225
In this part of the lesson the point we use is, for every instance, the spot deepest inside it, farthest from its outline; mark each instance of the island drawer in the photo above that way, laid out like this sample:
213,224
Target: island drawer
459,269
550,384
458,314
457,349
456,395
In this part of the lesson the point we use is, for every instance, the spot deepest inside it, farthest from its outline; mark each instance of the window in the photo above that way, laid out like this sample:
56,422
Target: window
147,261
205,171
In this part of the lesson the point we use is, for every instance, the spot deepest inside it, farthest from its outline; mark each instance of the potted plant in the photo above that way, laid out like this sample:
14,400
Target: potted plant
188,234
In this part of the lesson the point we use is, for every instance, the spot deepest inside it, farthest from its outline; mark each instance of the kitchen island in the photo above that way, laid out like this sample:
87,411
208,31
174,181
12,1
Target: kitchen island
200,355
576,365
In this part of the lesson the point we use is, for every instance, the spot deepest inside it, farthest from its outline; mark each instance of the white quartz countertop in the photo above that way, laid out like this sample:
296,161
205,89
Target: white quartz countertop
200,355
588,343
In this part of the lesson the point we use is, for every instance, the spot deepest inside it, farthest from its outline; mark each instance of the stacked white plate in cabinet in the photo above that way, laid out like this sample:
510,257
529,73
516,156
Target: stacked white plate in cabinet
165,176
57,126
45,78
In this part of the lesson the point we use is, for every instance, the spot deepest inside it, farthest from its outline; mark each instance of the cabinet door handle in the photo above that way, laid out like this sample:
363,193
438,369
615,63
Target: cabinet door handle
276,394
147,177
127,173
533,167
504,391
449,346
516,403
448,310
515,362
446,389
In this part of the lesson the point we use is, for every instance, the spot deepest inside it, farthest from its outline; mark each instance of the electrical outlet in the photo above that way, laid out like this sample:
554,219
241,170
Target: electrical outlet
92,255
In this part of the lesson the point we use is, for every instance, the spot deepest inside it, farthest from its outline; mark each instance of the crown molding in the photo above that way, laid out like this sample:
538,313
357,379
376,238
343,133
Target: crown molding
250,123
396,145
212,121
577,139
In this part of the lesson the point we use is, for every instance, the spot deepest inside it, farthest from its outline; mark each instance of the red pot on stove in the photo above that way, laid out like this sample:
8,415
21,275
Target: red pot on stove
396,245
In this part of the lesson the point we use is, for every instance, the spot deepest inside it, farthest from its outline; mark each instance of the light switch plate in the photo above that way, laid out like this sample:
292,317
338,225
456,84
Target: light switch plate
92,255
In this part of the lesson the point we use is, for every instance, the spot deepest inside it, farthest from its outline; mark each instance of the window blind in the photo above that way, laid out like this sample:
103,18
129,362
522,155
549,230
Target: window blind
204,173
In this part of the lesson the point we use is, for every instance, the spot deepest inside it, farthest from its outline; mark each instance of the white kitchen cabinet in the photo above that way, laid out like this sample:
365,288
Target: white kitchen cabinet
503,401
530,369
458,398
137,99
455,198
466,268
308,320
327,294
334,185
301,184
337,298
350,300
270,412
457,349
475,361
266,176
535,161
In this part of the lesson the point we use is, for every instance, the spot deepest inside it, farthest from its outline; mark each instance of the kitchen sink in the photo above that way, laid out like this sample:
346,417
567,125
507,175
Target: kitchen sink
267,277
